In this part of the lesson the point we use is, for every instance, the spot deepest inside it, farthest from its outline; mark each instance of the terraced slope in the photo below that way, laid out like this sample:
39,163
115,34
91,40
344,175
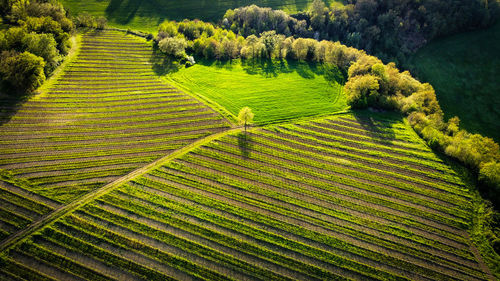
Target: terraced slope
334,198
106,116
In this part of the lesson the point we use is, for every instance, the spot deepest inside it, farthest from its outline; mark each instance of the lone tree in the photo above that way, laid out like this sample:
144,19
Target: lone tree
245,117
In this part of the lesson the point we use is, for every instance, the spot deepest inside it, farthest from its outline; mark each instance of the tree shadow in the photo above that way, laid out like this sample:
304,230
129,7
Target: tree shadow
375,123
271,68
10,105
163,64
123,11
245,144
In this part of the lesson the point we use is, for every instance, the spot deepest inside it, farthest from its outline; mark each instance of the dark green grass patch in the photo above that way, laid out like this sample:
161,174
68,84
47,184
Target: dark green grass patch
464,70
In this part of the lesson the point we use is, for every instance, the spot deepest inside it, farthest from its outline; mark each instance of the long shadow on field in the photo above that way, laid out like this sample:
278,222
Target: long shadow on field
377,124
308,70
10,105
245,144
163,64
124,11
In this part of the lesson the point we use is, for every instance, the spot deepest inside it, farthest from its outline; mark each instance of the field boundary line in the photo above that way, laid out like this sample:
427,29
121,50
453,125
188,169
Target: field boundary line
208,102
76,44
45,220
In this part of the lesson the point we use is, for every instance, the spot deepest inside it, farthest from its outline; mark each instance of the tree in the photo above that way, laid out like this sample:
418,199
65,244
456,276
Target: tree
270,40
175,47
318,15
24,71
245,117
101,23
362,90
252,40
45,46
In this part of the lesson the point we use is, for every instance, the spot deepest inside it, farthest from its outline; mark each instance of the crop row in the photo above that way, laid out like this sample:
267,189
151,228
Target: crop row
245,172
19,207
363,152
212,196
228,196
90,127
397,182
240,183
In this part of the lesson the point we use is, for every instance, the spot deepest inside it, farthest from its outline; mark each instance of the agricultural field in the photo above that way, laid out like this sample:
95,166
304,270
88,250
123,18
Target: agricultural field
464,70
107,115
147,15
19,207
346,197
275,91
118,171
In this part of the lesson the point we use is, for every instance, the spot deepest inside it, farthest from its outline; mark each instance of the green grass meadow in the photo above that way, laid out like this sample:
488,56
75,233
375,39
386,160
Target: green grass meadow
464,70
147,15
275,91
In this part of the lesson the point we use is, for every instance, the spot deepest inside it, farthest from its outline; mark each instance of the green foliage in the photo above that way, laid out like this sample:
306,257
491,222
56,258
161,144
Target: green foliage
489,174
175,47
391,30
362,90
24,71
37,30
85,19
245,116
43,45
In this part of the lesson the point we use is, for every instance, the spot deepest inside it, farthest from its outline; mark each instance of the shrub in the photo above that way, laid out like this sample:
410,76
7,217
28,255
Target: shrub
362,90
101,23
489,175
85,20
45,46
175,47
22,71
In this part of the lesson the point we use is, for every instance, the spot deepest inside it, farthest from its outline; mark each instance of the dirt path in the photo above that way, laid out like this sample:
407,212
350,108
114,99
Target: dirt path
66,209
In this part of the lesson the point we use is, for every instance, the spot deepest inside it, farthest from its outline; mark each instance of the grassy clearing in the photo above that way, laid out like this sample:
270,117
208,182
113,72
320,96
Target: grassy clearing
147,15
464,70
93,124
275,91
302,201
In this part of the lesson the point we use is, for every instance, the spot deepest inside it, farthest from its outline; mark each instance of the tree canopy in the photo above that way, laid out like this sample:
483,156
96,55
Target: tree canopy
245,117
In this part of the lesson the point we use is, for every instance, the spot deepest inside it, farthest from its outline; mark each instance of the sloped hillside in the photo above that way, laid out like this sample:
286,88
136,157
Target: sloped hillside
107,115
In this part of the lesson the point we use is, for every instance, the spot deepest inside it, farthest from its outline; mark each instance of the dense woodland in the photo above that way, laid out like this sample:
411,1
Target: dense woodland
390,30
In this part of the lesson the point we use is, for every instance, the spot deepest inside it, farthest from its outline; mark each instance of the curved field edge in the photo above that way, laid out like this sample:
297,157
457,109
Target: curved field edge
464,71
160,189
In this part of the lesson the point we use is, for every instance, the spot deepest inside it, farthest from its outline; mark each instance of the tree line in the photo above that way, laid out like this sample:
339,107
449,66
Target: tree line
390,30
202,39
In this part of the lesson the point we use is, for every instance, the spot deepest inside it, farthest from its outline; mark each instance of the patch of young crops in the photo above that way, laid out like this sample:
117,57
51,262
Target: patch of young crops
19,207
337,198
105,116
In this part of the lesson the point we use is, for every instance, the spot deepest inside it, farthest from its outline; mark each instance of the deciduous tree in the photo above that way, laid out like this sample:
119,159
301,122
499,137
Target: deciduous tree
245,117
